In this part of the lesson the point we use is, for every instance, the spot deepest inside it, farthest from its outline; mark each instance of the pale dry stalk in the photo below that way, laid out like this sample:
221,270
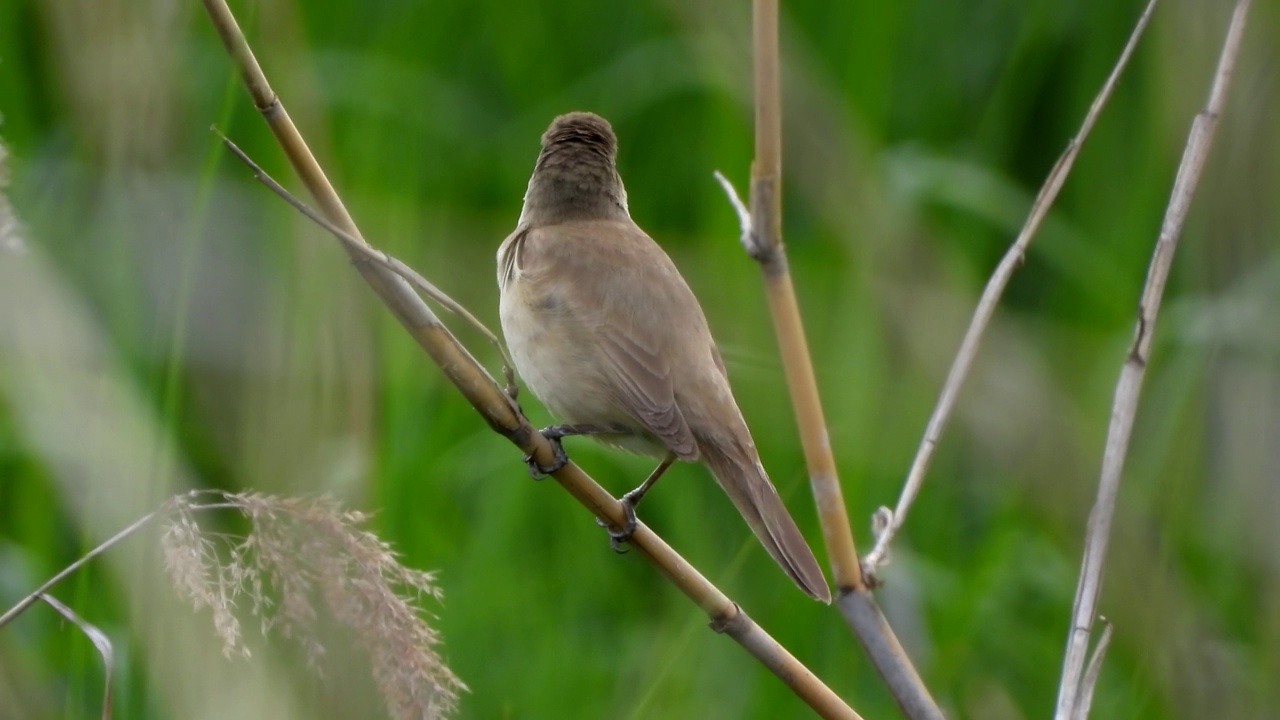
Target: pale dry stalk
892,521
1129,386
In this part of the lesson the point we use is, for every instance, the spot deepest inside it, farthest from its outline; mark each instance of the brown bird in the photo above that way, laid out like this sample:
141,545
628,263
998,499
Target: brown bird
608,335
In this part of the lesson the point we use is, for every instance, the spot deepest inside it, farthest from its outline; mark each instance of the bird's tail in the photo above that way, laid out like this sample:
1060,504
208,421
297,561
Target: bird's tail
739,472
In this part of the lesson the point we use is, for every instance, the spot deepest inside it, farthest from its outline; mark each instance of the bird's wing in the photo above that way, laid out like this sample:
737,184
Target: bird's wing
622,289
642,381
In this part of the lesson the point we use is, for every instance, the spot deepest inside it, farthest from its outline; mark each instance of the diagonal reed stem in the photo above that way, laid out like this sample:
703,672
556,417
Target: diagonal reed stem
991,294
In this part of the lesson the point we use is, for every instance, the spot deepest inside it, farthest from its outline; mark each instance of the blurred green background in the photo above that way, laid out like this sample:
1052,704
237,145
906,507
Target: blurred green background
172,324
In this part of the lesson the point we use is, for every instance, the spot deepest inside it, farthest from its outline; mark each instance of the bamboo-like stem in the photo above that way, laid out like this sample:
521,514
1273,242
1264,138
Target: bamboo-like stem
858,606
764,244
1129,386
762,237
497,409
991,294
871,628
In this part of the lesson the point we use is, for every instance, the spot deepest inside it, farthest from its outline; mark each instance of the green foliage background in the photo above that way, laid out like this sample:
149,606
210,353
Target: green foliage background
916,135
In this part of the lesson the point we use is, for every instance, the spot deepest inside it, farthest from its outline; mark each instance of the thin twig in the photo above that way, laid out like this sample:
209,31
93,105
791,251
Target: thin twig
739,208
107,544
102,547
1129,385
497,409
1090,681
1009,264
368,253
99,640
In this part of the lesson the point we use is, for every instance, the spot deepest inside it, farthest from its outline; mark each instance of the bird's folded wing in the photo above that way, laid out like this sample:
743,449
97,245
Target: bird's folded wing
606,277
642,381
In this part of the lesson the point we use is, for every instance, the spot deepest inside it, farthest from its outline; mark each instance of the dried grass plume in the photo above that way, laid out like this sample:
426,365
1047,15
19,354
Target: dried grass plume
303,559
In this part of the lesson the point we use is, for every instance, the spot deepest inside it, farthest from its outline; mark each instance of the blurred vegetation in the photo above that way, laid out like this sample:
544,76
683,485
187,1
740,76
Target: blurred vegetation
230,345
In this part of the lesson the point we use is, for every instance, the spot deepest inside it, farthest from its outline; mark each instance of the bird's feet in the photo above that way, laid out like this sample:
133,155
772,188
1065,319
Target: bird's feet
554,434
560,458
618,538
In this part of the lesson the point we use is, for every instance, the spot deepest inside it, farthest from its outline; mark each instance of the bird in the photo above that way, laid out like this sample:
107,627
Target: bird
605,331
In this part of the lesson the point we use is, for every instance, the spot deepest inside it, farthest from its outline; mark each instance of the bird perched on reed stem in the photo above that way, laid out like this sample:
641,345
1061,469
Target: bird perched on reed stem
608,335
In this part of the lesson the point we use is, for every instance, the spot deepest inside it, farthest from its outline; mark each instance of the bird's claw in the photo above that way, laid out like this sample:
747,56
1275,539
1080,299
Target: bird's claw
538,471
618,538
554,434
